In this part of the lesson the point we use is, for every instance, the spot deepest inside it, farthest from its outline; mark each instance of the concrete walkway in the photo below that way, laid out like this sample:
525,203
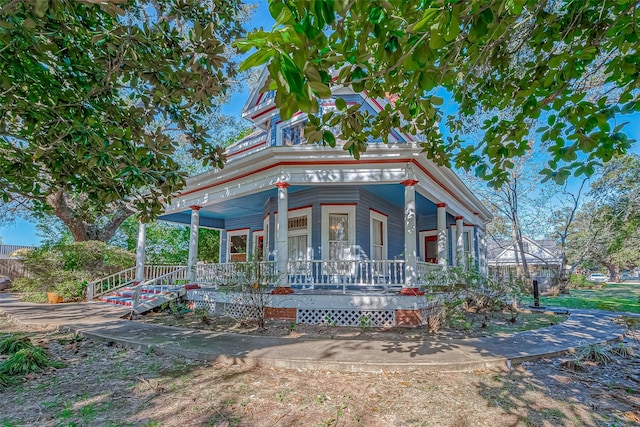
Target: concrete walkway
104,322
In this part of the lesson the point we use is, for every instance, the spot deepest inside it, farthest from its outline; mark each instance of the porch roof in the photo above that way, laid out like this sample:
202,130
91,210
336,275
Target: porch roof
250,177
214,215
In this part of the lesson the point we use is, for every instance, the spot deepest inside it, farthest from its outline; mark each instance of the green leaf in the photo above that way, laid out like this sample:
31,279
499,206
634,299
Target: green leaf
321,88
41,8
426,21
376,15
329,138
258,58
453,28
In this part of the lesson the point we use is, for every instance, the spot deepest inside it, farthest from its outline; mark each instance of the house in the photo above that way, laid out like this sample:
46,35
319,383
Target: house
543,259
370,227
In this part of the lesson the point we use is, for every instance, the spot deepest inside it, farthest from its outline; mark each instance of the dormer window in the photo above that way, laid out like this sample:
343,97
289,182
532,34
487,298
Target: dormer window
294,134
292,131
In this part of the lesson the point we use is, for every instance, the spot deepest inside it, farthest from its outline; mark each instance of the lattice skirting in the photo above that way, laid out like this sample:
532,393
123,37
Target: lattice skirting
242,311
202,300
210,306
346,317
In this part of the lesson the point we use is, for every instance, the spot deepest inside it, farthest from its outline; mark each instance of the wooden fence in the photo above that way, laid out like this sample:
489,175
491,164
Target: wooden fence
13,268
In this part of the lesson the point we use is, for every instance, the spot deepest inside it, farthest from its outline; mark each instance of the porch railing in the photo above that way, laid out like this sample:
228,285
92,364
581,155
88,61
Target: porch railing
126,278
323,273
340,274
237,273
425,269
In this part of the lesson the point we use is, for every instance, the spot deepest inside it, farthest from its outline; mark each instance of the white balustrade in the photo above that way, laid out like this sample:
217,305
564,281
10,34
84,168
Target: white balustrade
338,274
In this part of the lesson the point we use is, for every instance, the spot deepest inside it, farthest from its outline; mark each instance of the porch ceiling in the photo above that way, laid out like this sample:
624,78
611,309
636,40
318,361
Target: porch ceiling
230,208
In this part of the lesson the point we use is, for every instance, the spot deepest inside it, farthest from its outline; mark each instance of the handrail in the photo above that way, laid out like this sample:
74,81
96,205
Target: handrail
124,278
110,283
136,289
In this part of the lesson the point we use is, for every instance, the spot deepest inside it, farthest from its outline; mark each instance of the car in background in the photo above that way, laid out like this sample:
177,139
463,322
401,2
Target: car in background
597,278
5,283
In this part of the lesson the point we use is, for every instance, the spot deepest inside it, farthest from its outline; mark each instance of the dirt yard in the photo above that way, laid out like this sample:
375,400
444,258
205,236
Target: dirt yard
110,386
473,325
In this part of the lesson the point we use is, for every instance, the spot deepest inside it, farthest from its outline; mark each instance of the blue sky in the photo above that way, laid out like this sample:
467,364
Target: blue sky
22,232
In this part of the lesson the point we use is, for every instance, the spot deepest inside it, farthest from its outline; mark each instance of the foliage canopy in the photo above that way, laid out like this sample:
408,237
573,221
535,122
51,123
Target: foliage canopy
572,65
95,97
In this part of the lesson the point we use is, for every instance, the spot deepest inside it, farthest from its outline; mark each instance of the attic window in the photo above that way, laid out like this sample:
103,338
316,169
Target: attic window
293,134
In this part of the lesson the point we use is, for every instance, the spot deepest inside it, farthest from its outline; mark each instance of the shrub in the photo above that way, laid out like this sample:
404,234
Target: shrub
11,344
621,349
27,360
463,291
579,281
66,269
594,353
6,381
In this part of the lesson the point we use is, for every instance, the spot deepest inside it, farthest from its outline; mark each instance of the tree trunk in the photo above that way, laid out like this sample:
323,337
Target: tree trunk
613,272
83,230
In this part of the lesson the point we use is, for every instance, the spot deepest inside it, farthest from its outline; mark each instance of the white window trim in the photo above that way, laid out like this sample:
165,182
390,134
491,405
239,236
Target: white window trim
265,229
385,247
230,234
470,236
421,236
350,210
293,213
254,243
280,126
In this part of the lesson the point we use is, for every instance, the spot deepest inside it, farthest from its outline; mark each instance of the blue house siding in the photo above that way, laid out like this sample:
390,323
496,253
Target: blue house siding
223,246
395,223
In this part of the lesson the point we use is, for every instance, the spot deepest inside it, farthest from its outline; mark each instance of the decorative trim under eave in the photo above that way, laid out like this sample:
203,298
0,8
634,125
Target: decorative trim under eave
441,205
281,184
195,207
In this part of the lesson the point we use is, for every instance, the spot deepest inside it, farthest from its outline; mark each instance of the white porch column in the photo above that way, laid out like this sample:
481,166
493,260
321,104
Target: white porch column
472,244
282,241
193,244
460,242
410,252
442,233
142,241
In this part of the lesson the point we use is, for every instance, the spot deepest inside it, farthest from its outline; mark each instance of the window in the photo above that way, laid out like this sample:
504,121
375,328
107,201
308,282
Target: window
429,246
258,245
299,234
467,245
265,228
237,245
378,236
338,232
292,133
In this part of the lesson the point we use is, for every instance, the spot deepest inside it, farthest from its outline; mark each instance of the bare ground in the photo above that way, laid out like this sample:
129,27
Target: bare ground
473,325
110,386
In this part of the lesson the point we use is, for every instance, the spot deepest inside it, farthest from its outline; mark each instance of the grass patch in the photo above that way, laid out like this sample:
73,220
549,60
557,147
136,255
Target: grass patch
11,344
27,360
611,297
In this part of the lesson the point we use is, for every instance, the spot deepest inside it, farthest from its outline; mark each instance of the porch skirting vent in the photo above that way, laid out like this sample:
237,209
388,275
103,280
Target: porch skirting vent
346,317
